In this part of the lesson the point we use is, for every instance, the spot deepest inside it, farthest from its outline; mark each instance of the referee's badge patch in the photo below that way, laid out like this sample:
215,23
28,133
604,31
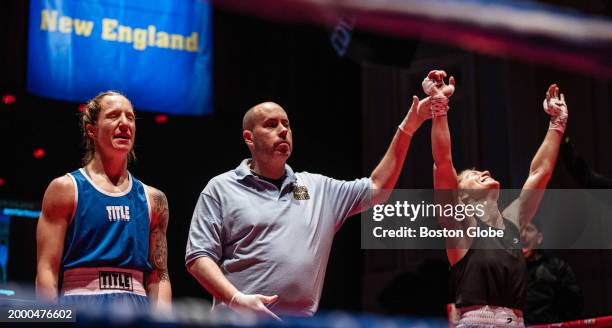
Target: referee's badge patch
300,193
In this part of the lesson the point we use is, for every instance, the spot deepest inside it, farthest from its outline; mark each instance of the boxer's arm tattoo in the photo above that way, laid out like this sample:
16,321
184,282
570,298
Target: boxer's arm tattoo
158,253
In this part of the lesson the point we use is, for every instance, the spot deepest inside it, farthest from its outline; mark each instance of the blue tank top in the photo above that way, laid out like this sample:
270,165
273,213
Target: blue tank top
108,229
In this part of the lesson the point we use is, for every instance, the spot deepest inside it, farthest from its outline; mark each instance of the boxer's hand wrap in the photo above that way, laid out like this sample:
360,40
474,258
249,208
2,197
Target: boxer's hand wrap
556,107
439,105
434,83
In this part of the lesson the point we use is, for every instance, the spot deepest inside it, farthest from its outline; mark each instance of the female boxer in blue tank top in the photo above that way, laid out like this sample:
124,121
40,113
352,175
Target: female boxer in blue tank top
488,274
101,237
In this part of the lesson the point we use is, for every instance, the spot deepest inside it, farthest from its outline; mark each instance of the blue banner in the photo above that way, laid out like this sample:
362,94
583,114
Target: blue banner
158,53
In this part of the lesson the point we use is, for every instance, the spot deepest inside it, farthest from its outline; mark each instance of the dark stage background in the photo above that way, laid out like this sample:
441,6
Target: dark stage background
344,111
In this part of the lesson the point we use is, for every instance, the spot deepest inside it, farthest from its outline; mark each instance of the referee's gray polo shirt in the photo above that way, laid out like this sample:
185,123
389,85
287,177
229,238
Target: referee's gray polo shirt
269,242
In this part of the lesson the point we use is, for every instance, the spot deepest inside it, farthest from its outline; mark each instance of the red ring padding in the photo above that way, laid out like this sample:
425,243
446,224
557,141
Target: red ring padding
592,322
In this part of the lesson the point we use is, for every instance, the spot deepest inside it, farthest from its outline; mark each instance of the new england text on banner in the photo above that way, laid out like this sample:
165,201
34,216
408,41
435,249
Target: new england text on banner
157,53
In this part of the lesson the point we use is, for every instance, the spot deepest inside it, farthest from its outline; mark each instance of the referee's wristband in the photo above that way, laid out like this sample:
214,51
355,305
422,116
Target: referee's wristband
233,298
404,131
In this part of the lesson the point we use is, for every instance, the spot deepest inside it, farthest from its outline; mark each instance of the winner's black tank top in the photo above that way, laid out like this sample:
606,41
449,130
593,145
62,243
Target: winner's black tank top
492,272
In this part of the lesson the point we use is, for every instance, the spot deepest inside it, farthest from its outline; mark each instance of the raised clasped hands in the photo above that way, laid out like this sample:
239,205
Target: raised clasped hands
433,106
438,91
